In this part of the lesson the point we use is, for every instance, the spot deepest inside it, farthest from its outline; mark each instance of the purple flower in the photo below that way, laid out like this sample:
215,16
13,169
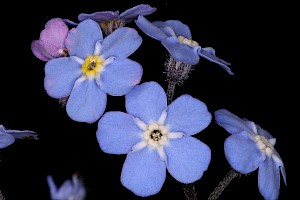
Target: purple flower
177,39
96,67
126,16
156,137
7,137
51,43
249,148
69,190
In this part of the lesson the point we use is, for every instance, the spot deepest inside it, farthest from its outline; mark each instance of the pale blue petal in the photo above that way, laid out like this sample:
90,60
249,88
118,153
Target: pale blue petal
117,133
17,134
242,153
87,102
6,140
143,172
142,9
231,122
178,27
181,52
149,29
269,179
280,165
60,76
121,43
120,77
188,115
81,41
99,16
146,101
188,158
52,187
209,54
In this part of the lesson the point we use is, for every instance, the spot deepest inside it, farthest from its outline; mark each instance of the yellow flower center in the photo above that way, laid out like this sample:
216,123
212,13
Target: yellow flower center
92,66
186,41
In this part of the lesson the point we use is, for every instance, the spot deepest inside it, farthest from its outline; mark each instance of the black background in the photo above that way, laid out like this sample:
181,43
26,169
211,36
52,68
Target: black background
251,36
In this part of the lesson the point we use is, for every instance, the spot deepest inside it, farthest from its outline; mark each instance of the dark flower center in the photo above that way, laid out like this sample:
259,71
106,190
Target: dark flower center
91,65
156,135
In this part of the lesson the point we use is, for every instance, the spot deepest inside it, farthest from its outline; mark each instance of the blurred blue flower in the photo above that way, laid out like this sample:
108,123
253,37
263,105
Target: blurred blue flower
96,67
156,136
177,39
249,148
70,190
7,137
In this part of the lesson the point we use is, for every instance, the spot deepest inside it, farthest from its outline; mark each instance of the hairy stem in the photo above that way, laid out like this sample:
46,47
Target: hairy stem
223,184
177,72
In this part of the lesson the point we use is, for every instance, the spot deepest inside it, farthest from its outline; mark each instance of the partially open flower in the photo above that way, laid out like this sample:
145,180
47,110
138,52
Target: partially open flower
249,148
51,43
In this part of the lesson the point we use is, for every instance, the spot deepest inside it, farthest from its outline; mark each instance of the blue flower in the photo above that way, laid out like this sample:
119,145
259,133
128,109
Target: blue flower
7,137
249,148
126,16
74,189
96,67
177,39
156,136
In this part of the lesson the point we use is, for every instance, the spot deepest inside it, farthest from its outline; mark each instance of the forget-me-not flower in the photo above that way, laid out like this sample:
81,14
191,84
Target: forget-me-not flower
249,148
70,190
156,137
51,43
110,20
96,67
177,39
7,137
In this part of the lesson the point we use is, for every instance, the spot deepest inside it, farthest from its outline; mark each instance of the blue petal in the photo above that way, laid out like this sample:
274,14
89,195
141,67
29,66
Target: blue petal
99,16
142,9
87,102
209,54
269,179
23,134
242,153
181,52
149,29
121,43
143,172
6,140
120,77
188,115
230,122
146,101
178,27
188,158
60,76
81,41
117,133
19,134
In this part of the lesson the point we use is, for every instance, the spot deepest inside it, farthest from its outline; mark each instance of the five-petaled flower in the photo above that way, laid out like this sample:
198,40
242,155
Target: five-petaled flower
111,20
7,137
249,148
70,190
156,136
51,43
177,39
96,67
